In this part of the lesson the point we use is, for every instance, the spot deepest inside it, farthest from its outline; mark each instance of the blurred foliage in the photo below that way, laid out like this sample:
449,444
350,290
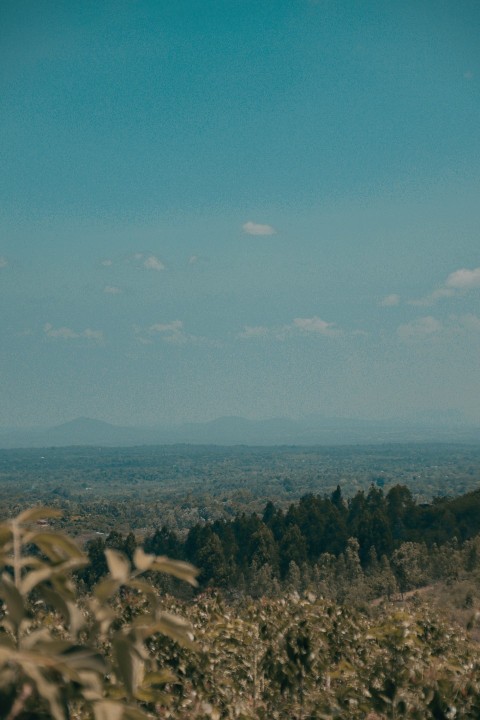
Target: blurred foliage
61,657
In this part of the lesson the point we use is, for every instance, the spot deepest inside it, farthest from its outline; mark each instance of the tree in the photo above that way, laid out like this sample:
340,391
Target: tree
293,547
263,548
410,564
211,558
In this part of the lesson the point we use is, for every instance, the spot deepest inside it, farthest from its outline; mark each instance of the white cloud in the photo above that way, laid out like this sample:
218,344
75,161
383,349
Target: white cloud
464,279
67,333
107,262
390,300
298,326
252,228
153,263
112,290
315,325
451,328
92,334
171,332
3,261
253,331
174,326
419,328
62,332
460,281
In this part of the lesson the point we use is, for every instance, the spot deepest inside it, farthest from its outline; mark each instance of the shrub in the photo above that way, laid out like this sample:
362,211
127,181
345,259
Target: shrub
63,657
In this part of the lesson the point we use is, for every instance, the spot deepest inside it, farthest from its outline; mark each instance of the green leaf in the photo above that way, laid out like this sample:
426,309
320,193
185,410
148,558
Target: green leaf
35,577
177,568
173,626
158,678
76,619
30,561
65,587
118,564
55,546
129,664
82,658
71,614
37,513
142,560
105,589
103,614
49,691
37,637
143,587
12,599
54,599
92,687
47,572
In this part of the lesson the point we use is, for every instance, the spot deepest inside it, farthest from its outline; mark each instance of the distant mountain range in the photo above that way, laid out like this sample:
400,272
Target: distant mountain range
311,430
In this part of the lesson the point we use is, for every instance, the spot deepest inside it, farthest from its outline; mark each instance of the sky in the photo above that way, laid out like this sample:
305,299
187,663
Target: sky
262,208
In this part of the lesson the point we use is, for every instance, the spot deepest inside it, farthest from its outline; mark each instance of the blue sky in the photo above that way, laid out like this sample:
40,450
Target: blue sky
239,208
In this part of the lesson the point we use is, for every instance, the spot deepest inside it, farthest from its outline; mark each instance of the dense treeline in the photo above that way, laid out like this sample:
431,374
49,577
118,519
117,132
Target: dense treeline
385,539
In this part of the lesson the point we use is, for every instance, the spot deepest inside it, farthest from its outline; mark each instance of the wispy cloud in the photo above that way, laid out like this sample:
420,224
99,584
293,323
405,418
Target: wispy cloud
451,327
390,300
66,333
96,335
251,228
61,332
314,325
112,290
420,328
254,331
107,262
3,261
433,298
458,282
153,263
171,332
299,326
198,259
